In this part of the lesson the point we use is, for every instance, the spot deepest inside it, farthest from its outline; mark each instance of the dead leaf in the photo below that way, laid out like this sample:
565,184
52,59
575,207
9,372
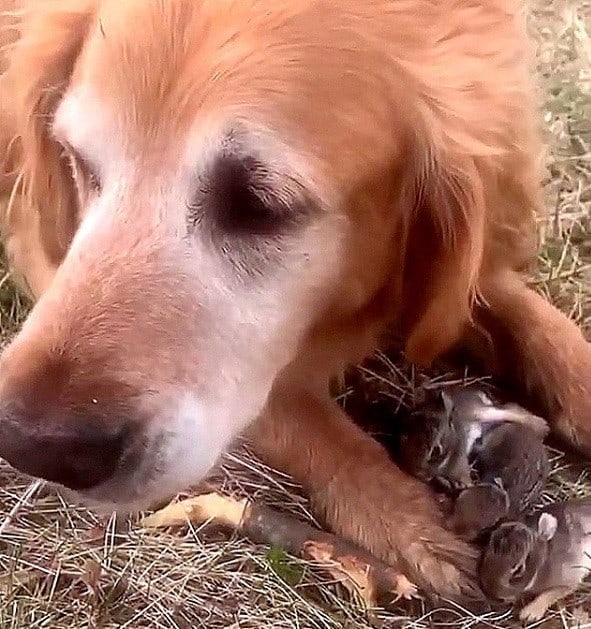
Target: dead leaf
92,574
351,572
199,509
356,575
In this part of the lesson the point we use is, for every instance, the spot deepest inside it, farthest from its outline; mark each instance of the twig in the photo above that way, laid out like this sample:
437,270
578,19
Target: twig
357,569
21,502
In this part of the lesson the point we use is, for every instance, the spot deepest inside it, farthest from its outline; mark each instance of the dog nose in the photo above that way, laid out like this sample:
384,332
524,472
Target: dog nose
63,420
79,455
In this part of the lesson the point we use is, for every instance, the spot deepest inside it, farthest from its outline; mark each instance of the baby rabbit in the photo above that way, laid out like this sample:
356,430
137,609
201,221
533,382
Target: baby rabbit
433,444
512,466
478,508
439,435
546,557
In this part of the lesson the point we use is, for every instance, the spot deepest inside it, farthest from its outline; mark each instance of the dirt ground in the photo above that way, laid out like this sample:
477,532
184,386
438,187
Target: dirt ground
63,566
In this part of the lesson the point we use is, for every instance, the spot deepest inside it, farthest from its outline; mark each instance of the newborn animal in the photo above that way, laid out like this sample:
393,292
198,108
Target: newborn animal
512,466
438,437
479,508
433,443
546,557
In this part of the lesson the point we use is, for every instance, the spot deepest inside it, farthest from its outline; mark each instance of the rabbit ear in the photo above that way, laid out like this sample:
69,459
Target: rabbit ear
447,400
498,482
547,525
484,398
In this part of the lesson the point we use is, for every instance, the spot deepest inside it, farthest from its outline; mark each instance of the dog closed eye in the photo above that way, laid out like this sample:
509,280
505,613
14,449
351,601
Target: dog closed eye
240,196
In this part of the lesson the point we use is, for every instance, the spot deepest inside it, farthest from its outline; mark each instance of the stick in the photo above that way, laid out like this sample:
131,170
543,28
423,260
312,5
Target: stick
355,568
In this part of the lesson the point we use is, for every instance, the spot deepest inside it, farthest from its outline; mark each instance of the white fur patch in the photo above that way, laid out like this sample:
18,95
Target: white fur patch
196,439
547,525
82,121
474,433
88,227
483,397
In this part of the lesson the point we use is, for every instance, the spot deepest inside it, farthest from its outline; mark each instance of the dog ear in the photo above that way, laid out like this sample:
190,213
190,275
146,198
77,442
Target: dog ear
40,64
9,34
444,261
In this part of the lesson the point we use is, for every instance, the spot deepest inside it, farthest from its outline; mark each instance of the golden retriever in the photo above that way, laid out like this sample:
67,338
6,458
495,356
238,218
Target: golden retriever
218,204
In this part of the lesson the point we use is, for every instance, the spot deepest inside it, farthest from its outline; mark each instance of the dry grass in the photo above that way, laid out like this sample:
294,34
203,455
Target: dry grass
62,566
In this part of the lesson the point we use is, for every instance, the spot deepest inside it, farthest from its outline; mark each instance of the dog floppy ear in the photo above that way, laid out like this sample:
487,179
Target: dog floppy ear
9,33
444,256
40,62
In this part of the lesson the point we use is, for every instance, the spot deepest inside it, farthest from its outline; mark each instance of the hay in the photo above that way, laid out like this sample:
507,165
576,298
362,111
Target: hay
62,566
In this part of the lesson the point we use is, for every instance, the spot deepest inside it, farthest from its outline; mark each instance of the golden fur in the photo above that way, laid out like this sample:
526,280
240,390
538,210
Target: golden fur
412,126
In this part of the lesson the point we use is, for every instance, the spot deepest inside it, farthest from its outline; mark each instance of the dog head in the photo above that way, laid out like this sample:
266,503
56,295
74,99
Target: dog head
219,183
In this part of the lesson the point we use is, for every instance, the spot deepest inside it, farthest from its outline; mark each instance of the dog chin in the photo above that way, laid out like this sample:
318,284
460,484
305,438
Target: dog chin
149,486
120,499
172,461
162,463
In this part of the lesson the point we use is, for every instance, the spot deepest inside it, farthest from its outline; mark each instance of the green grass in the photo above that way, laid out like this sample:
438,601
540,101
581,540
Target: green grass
63,566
